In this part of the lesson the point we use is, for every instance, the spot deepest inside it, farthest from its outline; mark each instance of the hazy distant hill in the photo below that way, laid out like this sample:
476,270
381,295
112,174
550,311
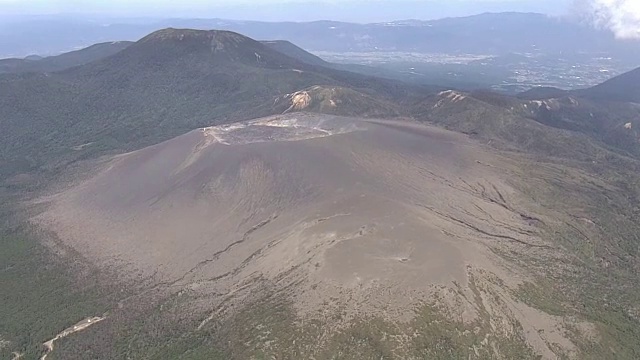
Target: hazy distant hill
296,52
63,61
625,87
542,92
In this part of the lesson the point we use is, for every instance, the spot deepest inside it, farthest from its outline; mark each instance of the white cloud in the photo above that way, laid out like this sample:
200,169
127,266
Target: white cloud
622,17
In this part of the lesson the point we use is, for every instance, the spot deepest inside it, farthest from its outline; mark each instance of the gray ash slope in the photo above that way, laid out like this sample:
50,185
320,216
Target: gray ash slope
339,215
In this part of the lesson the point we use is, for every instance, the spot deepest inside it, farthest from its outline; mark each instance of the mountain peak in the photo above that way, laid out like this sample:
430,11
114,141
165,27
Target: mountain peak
206,46
182,34
217,39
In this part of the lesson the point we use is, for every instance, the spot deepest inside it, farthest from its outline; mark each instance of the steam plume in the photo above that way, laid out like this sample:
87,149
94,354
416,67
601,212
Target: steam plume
622,17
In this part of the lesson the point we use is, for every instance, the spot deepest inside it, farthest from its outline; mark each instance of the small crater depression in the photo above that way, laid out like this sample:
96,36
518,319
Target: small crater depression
279,128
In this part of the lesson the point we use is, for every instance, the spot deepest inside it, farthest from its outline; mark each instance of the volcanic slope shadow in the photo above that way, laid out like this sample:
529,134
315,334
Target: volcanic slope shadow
361,216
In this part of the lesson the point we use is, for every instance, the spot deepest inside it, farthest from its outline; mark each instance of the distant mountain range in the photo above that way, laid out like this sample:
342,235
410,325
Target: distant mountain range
491,33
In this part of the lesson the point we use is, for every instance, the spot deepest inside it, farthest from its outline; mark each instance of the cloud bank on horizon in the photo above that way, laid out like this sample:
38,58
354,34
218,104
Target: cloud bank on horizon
622,17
